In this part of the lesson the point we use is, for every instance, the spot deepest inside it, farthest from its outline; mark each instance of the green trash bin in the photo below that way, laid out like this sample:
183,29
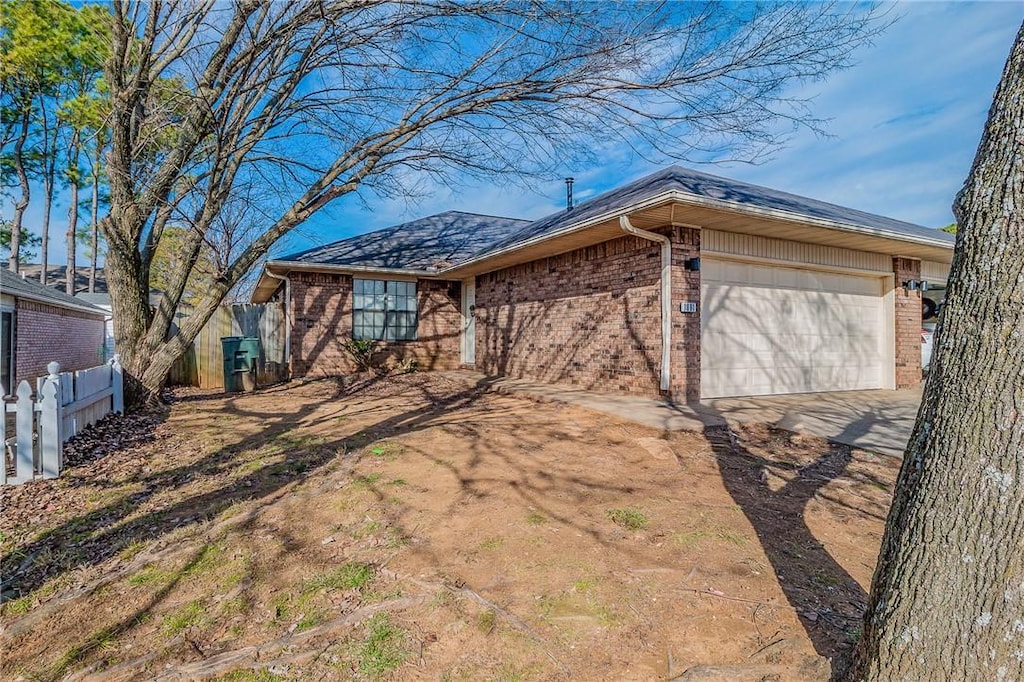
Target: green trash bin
247,360
230,346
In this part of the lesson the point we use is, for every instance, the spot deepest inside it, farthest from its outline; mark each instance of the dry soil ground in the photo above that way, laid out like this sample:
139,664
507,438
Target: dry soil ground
419,527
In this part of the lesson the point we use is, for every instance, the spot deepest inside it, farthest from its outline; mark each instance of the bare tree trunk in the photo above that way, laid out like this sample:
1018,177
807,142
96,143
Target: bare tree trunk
49,181
95,226
44,249
26,192
947,600
72,237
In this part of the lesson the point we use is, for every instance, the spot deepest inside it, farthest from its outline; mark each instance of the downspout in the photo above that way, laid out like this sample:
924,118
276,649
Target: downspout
666,295
287,316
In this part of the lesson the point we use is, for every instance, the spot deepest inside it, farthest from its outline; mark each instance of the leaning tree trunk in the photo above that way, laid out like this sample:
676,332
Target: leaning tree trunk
22,202
947,600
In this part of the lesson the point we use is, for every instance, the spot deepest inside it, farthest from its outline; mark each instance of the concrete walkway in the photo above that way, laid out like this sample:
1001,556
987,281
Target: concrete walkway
880,421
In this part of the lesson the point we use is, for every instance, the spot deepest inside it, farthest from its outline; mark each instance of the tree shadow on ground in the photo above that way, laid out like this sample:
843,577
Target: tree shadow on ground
826,599
94,537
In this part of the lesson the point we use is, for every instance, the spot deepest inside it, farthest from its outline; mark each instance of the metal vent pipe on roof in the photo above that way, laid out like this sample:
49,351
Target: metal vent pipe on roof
568,193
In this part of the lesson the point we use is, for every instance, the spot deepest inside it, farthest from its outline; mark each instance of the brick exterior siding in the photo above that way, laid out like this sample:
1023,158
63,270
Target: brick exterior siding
591,317
908,323
45,334
685,326
322,321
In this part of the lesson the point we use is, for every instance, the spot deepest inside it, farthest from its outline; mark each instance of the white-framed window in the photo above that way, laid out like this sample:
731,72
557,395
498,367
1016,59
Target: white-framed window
383,310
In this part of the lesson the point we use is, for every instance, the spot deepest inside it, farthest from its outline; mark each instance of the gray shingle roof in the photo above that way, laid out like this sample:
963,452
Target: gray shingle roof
450,238
14,285
704,185
433,242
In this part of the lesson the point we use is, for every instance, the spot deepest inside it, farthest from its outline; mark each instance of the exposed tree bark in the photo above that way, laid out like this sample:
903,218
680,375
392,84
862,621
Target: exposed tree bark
94,205
14,263
947,600
71,272
49,178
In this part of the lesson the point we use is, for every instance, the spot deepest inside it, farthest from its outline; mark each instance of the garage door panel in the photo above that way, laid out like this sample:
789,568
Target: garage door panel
772,329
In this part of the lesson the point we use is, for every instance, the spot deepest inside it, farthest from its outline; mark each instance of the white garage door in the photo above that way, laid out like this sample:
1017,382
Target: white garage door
767,330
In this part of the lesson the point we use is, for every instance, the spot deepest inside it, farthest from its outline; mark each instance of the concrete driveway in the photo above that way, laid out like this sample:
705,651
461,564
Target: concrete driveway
880,421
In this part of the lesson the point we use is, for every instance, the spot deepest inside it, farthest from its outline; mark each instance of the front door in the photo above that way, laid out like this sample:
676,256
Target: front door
468,322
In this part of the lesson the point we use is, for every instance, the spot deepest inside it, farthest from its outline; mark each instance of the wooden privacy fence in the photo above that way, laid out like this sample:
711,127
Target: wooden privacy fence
203,364
64,403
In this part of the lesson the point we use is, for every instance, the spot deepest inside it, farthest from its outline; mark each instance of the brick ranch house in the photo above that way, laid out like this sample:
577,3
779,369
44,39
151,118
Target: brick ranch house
41,325
679,284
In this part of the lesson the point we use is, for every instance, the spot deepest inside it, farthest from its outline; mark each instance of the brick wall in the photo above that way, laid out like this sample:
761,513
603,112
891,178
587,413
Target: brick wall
48,333
908,323
590,317
685,326
322,320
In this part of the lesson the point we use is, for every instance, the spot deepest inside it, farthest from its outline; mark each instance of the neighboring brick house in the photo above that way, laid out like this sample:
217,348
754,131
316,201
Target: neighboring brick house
765,293
42,325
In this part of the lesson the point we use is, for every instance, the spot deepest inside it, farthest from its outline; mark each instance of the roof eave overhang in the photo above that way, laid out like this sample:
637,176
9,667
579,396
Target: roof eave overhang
85,308
267,285
478,264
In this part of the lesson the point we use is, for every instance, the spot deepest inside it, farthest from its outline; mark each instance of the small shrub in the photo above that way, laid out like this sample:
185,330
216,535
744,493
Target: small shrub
361,351
629,517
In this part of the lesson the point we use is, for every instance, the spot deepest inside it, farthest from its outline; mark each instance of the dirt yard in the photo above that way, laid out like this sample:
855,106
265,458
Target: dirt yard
423,528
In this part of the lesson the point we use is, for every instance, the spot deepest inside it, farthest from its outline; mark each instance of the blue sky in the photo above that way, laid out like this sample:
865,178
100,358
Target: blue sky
904,125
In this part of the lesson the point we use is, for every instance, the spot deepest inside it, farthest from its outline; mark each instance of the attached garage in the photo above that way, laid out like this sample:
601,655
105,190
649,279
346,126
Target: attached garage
679,285
769,329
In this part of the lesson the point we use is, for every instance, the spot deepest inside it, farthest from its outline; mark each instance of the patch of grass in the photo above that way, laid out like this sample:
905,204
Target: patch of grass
692,538
150,575
397,481
18,607
367,529
492,543
386,449
535,518
486,621
366,482
131,550
351,576
630,518
382,650
190,615
261,675
507,674
444,599
396,539
209,559
311,619
584,585
237,606
103,640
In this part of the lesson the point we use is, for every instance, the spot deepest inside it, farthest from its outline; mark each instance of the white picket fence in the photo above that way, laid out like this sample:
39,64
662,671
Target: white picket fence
64,403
